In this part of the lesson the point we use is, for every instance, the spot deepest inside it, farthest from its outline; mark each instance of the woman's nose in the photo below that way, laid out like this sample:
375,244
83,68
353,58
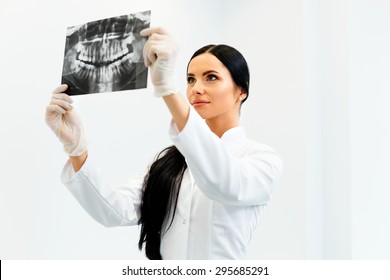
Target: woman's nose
197,88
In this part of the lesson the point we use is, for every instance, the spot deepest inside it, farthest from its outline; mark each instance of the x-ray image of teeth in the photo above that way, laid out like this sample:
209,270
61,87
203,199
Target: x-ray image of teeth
106,55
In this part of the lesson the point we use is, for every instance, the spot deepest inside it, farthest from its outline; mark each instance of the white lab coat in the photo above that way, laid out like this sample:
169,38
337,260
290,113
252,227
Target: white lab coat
227,184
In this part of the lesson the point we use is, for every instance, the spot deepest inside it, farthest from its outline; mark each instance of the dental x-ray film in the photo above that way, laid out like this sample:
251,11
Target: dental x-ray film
106,55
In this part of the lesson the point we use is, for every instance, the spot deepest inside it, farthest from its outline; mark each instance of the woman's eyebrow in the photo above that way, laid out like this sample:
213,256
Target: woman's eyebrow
203,74
209,72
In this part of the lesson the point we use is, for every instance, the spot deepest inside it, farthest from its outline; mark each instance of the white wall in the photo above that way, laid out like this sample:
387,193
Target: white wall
369,84
347,84
328,210
318,95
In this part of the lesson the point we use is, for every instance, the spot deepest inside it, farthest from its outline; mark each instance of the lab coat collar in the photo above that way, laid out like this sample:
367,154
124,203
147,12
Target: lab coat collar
234,138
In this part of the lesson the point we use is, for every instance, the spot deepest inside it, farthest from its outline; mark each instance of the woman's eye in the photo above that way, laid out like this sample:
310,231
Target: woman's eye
190,80
211,78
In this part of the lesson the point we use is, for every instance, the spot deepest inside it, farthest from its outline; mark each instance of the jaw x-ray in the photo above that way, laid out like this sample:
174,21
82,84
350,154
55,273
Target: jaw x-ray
106,55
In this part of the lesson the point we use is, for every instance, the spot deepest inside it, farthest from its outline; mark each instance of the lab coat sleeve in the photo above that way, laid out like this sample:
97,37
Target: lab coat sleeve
243,178
108,205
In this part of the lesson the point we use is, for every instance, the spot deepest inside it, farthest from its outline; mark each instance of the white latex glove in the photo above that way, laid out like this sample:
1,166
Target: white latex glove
65,122
160,53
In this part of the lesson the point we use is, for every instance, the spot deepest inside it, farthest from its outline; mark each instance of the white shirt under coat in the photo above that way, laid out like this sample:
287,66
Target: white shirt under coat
227,184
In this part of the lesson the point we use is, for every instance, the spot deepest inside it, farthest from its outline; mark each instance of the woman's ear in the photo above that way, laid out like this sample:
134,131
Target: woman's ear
242,96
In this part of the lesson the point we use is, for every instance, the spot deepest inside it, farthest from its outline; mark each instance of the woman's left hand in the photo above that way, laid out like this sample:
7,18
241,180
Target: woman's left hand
160,54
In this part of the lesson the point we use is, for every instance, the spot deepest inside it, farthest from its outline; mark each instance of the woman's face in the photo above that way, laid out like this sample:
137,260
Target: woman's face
211,89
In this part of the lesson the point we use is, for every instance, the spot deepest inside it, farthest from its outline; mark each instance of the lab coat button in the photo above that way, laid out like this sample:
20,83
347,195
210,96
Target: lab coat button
184,221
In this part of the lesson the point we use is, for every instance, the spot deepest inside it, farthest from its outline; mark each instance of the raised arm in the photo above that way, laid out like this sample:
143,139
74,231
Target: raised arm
160,54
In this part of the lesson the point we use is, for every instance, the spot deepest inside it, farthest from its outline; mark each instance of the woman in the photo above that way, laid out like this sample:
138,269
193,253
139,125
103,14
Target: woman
202,197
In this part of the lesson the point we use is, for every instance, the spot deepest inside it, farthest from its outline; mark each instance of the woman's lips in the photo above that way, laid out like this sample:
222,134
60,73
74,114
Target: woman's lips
200,103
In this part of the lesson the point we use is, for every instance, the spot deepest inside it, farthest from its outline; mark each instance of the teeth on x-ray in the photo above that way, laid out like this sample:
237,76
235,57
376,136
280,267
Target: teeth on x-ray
106,55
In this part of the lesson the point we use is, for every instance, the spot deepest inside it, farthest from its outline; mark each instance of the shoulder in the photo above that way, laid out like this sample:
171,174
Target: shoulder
261,151
259,147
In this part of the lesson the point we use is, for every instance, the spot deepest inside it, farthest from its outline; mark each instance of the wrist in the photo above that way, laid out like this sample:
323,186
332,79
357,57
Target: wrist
165,90
77,148
78,161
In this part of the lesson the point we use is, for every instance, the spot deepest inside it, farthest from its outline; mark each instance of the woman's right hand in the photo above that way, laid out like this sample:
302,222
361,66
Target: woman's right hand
160,52
65,122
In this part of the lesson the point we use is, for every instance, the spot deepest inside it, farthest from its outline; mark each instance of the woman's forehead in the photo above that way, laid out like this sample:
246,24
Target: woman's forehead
205,62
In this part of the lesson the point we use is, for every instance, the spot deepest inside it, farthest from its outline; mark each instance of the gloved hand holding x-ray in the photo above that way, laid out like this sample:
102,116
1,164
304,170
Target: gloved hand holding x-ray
106,55
66,123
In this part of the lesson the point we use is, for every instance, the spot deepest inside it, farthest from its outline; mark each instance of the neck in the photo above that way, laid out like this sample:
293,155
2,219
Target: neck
220,125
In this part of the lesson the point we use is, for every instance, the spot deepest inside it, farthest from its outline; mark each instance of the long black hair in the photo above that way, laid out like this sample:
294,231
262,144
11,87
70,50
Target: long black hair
159,198
161,185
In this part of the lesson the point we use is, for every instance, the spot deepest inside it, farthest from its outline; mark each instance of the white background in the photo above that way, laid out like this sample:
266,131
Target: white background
319,91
